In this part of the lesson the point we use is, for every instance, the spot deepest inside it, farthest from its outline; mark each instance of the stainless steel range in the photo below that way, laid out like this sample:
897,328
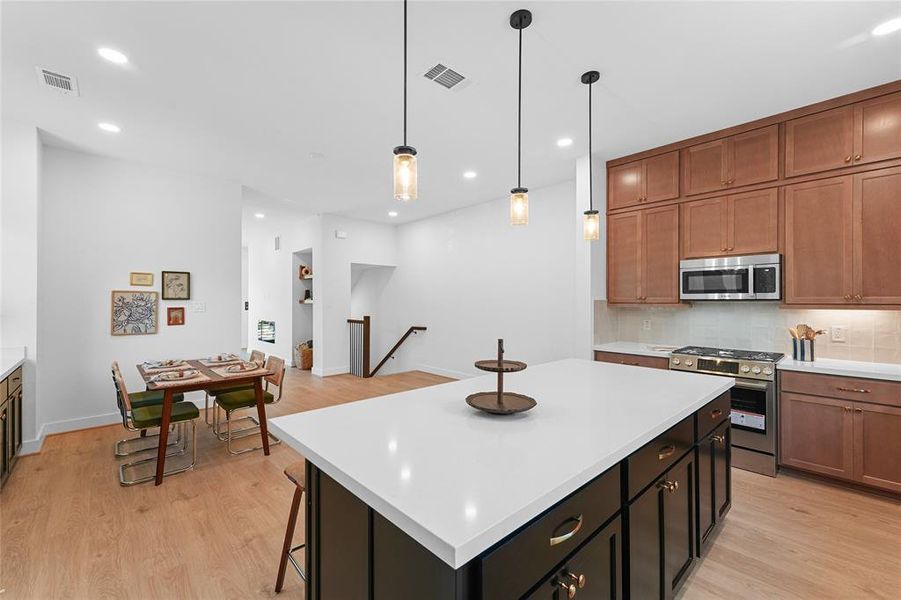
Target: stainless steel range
754,426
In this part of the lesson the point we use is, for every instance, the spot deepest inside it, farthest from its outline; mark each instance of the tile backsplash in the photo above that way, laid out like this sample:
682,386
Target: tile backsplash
871,335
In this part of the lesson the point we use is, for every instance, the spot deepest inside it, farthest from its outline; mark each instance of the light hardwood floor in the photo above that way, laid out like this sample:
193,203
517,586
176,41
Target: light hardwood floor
68,530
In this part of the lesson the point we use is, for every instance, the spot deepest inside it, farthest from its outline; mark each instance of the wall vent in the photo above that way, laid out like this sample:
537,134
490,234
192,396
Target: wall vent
444,76
66,85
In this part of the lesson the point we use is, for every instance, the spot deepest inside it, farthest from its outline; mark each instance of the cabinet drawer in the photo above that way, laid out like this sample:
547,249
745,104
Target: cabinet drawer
845,388
4,390
520,562
713,414
654,362
659,454
14,382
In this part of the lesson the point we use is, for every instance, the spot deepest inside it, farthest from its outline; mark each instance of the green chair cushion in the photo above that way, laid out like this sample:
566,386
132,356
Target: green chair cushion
228,390
242,399
151,416
139,399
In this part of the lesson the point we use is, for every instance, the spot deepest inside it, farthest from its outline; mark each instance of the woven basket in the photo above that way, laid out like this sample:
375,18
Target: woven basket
306,358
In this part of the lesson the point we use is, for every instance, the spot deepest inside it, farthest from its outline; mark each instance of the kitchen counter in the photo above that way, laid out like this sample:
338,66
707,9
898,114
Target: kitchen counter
10,360
847,368
640,349
458,481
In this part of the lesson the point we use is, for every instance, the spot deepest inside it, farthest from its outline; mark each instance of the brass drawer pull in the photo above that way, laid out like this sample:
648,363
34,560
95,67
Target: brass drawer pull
855,390
578,580
569,589
719,439
716,412
666,452
562,538
669,486
634,364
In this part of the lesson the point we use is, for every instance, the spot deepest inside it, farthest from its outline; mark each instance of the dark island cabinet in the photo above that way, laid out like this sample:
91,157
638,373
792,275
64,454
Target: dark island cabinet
714,483
662,533
10,423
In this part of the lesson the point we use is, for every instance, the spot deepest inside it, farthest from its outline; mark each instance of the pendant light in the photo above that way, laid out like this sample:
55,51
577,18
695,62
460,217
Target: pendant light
591,220
519,196
405,176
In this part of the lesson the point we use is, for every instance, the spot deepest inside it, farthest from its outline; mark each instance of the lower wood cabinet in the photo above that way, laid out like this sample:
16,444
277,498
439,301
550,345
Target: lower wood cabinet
635,360
714,482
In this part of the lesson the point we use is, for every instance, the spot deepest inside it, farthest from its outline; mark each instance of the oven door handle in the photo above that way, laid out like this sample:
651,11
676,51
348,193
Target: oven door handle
751,385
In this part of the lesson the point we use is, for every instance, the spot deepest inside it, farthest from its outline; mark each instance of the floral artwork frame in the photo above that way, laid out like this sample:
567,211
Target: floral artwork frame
175,315
134,312
137,278
176,285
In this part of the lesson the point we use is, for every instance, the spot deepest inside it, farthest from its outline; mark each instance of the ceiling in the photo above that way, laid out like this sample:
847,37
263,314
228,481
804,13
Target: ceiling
302,100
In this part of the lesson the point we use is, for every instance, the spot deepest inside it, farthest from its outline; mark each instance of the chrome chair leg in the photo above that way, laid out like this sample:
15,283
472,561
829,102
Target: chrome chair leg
119,447
125,482
229,437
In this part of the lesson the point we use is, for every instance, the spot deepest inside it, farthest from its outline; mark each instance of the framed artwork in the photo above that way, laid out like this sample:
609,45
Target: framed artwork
176,285
175,315
141,279
133,313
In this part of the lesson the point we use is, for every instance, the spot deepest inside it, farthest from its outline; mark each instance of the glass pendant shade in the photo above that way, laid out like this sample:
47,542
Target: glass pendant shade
519,206
405,177
591,225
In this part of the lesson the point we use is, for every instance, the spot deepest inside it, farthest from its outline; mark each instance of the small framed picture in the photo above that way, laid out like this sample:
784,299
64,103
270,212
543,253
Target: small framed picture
141,279
133,312
175,315
176,285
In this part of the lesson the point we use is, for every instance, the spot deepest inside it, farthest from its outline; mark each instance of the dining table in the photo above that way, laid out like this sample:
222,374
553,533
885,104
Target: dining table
212,374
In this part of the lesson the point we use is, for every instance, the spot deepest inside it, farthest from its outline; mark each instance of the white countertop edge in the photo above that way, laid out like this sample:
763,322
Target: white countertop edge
457,557
843,368
636,348
10,360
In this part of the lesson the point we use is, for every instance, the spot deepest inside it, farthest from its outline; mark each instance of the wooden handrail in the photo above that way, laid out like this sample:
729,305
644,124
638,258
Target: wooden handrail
403,338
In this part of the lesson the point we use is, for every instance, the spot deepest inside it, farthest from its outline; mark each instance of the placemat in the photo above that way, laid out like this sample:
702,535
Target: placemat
154,370
199,378
223,372
209,362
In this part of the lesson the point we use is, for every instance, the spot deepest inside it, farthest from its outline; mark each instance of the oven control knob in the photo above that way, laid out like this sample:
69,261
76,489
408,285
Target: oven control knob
768,371
745,368
688,363
756,370
677,361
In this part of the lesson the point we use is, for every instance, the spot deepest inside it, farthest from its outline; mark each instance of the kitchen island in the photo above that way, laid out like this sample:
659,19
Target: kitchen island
609,487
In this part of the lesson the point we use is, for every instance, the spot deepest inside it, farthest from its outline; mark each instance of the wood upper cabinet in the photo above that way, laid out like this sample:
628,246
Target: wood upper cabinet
649,180
743,159
877,445
643,256
816,434
738,224
860,133
876,238
818,245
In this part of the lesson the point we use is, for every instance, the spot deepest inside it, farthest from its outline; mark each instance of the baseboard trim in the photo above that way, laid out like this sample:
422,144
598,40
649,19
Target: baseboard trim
442,372
319,372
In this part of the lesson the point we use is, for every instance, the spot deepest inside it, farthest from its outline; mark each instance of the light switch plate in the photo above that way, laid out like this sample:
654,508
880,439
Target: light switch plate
198,306
646,324
341,235
839,333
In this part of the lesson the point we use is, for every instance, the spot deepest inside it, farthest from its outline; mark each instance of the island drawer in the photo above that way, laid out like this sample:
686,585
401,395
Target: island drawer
710,417
846,388
655,457
654,362
523,559
14,382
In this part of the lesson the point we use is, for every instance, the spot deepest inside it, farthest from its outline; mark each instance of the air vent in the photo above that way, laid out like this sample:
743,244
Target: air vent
66,85
444,76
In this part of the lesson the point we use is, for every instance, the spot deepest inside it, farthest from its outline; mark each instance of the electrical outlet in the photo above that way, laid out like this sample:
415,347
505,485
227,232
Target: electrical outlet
839,333
646,324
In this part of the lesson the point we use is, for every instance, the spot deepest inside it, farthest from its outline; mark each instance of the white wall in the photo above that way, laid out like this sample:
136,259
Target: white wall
101,219
368,283
21,188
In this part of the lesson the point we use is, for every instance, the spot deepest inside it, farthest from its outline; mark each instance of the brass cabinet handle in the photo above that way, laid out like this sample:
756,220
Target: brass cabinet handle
731,181
634,364
848,158
669,486
855,390
716,412
562,538
666,451
857,157
569,589
846,408
579,579
858,410
847,297
719,439
730,248
858,297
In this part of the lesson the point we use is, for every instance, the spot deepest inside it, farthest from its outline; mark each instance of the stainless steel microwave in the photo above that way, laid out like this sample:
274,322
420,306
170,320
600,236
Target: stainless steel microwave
752,277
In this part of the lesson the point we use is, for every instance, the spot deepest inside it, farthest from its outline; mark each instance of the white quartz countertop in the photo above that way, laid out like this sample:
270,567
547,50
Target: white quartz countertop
658,350
458,480
847,368
10,360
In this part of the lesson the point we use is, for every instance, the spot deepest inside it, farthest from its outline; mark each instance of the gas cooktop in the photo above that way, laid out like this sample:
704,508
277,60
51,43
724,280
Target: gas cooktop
725,353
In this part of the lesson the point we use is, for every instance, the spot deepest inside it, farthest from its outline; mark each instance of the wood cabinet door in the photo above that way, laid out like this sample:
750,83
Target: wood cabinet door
660,255
819,142
877,129
877,237
877,446
660,177
753,156
818,261
816,434
645,548
714,482
624,257
752,223
704,167
4,440
679,524
704,228
624,185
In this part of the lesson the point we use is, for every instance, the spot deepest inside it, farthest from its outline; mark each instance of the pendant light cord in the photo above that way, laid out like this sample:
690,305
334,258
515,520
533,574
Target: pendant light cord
519,119
590,175
405,72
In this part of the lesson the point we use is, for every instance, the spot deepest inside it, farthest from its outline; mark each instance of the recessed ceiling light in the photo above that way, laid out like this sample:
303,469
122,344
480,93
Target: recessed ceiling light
114,56
392,213
259,215
890,26
469,174
564,142
109,127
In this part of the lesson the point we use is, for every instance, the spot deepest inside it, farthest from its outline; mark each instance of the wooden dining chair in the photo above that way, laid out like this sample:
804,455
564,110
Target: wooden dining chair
255,356
137,418
138,399
297,474
243,399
